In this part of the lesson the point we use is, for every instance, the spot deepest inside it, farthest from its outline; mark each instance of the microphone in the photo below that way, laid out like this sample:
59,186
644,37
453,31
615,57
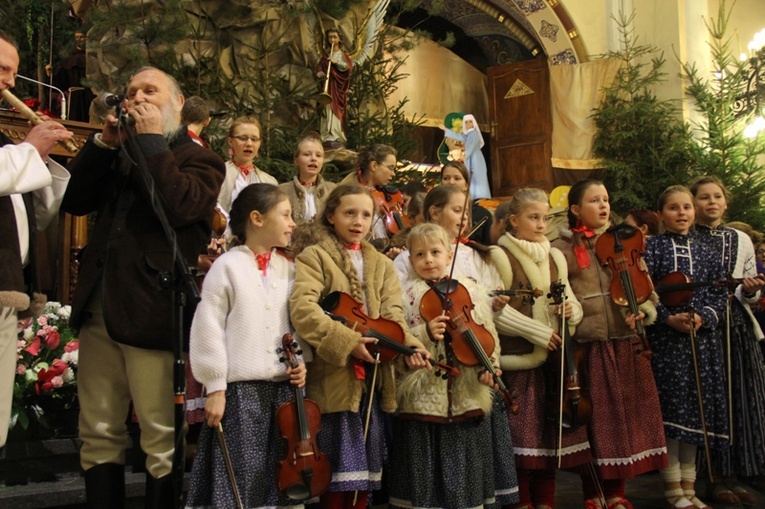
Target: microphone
63,95
106,102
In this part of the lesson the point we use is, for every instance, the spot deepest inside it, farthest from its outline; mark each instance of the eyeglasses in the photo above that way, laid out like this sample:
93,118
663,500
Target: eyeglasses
244,138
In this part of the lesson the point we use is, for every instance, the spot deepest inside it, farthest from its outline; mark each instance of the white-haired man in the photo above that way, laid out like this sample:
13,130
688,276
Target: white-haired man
31,188
124,315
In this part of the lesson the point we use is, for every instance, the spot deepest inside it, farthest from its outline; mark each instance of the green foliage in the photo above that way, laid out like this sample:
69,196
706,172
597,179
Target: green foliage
643,142
29,22
725,152
151,34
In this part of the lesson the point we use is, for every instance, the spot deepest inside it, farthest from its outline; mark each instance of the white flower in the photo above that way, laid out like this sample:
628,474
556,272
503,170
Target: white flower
52,307
68,375
52,317
71,358
65,312
30,376
29,333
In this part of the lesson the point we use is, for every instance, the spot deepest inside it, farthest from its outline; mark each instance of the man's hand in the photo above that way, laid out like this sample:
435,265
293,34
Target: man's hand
44,136
148,118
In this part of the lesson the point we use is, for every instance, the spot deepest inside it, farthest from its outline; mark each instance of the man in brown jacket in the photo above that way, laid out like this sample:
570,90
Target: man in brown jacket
125,317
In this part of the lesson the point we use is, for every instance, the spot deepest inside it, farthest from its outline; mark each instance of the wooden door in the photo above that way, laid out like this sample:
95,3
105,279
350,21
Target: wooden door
521,145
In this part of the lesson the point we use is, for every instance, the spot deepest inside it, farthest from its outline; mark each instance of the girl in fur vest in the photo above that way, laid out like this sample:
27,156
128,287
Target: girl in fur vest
236,331
530,262
680,248
342,370
308,190
625,433
442,440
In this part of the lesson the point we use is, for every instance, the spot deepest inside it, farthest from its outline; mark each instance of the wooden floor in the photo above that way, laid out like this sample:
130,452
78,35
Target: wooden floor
68,493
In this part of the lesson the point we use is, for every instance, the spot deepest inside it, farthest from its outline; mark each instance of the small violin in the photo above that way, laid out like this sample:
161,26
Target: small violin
389,334
391,203
304,472
620,248
676,289
471,343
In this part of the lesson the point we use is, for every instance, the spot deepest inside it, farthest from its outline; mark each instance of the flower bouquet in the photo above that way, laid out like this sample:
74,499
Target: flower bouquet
46,368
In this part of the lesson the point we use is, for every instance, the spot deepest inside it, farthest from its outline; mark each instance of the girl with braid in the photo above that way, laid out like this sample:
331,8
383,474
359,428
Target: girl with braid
341,260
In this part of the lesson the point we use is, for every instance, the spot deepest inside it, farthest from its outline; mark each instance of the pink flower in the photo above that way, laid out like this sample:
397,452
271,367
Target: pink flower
72,346
52,340
34,347
42,320
57,381
21,369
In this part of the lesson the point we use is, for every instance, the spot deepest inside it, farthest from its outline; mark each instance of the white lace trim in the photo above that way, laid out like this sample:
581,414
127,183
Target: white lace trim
195,404
632,459
530,451
363,475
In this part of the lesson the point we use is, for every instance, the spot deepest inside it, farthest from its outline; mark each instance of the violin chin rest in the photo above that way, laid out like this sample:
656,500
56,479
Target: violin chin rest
298,492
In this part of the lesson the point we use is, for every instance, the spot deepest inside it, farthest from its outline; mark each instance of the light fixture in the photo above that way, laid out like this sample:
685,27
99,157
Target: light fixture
752,101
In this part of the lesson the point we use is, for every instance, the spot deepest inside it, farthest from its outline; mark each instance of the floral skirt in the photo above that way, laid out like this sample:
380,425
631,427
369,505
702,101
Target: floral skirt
355,465
746,455
535,427
453,465
626,432
254,442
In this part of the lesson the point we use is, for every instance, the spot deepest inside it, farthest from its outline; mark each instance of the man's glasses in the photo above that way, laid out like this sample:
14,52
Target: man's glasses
244,138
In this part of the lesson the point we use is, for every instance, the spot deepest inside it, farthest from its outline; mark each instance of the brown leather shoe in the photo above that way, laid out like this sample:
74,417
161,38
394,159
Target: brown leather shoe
720,494
747,499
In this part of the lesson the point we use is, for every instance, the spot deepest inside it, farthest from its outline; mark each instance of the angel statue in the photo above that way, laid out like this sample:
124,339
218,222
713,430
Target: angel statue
335,68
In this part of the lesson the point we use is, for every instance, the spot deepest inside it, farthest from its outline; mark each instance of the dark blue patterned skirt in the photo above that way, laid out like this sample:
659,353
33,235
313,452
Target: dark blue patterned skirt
453,465
254,443
673,370
355,466
746,456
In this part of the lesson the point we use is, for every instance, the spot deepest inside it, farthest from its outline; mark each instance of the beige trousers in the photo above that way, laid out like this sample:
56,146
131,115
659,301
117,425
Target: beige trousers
109,375
8,341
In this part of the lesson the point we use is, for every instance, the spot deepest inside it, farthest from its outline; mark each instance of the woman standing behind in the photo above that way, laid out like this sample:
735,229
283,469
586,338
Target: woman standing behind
626,432
680,249
735,251
377,167
308,190
530,262
456,174
244,143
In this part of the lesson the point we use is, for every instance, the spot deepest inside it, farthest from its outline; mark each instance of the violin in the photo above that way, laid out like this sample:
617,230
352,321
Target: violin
676,289
389,334
471,343
304,472
575,408
620,248
391,203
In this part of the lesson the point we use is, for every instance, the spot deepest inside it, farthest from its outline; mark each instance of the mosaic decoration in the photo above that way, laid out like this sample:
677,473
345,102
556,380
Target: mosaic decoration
564,57
530,6
501,50
518,89
549,30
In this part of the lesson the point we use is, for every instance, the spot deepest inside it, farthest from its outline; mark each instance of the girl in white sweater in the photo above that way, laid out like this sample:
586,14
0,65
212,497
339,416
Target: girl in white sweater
236,338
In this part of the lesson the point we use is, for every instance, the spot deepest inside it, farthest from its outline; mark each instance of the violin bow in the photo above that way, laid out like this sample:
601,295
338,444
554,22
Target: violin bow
229,465
699,394
561,288
371,393
729,370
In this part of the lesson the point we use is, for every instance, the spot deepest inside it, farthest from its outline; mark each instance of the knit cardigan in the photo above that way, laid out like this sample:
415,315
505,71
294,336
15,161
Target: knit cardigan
321,269
534,260
421,394
239,324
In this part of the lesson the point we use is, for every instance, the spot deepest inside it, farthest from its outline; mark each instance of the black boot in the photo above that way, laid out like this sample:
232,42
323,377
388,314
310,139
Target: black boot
159,492
105,486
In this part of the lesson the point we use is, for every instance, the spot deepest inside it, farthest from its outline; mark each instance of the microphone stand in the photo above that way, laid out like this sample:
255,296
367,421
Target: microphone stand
63,95
184,291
